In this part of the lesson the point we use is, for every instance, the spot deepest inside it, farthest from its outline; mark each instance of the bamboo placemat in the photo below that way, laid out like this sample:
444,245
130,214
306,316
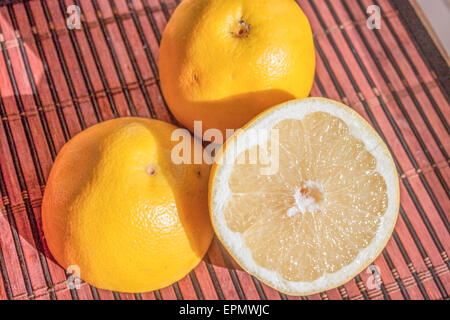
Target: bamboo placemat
54,82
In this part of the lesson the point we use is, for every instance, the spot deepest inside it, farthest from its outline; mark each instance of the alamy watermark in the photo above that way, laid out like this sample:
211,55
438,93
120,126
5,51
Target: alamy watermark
254,146
374,20
73,277
373,282
74,19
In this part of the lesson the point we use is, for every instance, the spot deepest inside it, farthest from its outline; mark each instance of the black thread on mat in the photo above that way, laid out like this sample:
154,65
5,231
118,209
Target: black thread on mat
51,84
84,72
53,92
424,43
381,284
407,117
176,289
229,265
408,261
115,59
148,53
415,71
157,295
144,41
13,226
48,75
403,79
164,9
31,218
116,295
132,57
36,96
9,215
342,96
3,271
63,64
362,288
98,65
323,295
137,296
399,281
149,14
198,290
283,296
45,126
259,289
423,253
8,2
377,128
196,285
213,276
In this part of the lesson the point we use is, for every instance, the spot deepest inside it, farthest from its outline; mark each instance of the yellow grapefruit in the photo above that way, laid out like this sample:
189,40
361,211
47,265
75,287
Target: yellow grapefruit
120,210
327,210
223,62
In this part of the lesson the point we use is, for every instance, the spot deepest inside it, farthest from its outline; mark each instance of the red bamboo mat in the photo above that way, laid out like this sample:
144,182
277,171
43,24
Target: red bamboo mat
55,82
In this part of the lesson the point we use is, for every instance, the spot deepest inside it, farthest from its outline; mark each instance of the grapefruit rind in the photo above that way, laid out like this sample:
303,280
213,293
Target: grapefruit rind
219,193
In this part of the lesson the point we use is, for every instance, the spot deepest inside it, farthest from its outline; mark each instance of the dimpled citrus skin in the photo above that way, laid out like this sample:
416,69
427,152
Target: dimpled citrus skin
223,62
116,206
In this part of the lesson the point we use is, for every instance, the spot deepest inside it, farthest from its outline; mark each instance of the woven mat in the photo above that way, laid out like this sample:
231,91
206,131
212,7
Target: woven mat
54,82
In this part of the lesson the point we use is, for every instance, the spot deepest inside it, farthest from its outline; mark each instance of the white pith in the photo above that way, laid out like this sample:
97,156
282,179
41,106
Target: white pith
220,194
303,202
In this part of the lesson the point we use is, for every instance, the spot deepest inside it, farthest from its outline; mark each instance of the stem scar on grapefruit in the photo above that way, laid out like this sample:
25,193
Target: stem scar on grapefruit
116,206
326,213
223,62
